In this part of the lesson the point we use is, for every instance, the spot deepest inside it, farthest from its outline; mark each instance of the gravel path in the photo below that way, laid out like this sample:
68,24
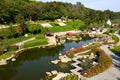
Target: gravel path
21,43
113,73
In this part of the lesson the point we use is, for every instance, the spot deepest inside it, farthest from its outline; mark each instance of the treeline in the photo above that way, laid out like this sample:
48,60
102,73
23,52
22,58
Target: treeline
17,11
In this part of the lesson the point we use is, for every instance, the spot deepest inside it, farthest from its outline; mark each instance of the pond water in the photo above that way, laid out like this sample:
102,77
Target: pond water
34,63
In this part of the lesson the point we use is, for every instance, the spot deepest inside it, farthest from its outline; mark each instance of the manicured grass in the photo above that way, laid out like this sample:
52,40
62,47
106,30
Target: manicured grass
6,55
116,50
71,25
114,37
15,40
104,62
35,42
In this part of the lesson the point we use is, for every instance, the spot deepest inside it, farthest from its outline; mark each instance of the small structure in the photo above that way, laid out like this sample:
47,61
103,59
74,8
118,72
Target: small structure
69,34
49,33
109,22
47,25
93,28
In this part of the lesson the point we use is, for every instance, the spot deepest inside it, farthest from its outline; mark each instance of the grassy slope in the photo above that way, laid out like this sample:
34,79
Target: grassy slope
6,55
35,42
68,27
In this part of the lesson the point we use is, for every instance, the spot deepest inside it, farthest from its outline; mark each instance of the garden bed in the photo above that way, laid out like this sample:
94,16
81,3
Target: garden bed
104,62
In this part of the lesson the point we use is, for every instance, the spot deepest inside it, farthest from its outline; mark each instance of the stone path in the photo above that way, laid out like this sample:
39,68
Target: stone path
77,68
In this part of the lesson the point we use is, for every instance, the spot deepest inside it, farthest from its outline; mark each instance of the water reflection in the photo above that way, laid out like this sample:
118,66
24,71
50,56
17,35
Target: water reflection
32,64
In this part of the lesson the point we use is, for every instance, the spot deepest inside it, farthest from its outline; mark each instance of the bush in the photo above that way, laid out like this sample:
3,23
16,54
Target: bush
114,37
40,36
116,50
12,47
70,77
70,55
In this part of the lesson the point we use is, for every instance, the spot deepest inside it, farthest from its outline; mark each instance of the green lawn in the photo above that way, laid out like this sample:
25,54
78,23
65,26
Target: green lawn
116,50
71,25
114,37
6,55
35,42
15,40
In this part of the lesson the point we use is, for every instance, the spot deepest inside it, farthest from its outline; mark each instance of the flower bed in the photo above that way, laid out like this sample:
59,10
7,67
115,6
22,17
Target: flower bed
104,62
76,50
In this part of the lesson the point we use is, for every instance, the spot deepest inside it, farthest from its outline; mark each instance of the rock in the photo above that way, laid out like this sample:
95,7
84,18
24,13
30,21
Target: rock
92,54
81,68
84,57
60,54
54,72
13,59
63,60
48,74
60,75
72,48
55,61
26,35
83,60
87,55
3,62
80,56
60,57
85,73
94,63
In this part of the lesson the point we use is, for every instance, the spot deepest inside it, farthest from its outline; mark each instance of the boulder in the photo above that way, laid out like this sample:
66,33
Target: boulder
63,60
85,57
60,54
83,60
48,74
55,61
54,72
13,59
94,63
80,56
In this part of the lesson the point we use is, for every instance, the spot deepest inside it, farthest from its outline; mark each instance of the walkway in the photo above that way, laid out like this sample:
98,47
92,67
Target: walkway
112,73
116,33
77,68
21,43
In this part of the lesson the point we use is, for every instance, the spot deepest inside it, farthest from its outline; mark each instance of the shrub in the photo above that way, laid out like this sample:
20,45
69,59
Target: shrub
70,55
114,37
116,50
13,47
70,77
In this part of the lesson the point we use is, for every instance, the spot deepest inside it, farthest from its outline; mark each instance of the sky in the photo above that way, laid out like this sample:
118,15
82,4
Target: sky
113,5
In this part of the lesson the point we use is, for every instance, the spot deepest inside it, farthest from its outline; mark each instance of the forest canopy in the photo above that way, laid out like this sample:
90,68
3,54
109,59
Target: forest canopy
21,10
